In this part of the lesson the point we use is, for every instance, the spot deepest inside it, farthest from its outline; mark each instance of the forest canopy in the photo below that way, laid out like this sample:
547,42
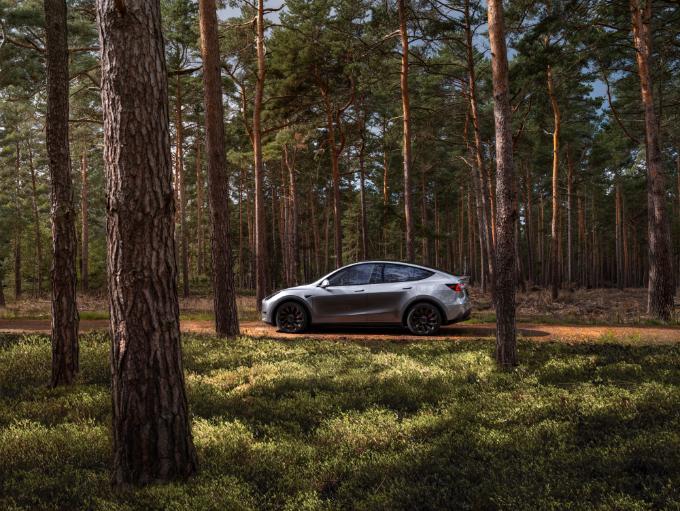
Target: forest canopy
331,185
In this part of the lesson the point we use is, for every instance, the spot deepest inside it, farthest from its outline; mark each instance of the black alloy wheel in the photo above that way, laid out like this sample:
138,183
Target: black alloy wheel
291,318
424,319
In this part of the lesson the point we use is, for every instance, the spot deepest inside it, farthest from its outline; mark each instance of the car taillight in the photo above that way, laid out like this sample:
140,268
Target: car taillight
458,288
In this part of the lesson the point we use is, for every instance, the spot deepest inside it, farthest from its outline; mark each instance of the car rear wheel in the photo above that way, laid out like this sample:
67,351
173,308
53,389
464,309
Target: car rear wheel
291,318
424,319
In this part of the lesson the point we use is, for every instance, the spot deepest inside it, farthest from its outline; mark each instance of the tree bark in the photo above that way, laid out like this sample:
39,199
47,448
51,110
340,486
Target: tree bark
64,243
529,227
36,221
619,236
261,277
554,229
200,239
406,143
85,231
485,197
504,289
226,318
425,254
17,225
661,287
181,188
293,236
151,429
362,188
570,207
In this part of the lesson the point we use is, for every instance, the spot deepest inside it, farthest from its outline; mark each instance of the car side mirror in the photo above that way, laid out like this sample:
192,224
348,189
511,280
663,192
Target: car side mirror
325,283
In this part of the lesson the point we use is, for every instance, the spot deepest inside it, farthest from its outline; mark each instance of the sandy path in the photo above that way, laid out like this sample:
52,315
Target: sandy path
536,332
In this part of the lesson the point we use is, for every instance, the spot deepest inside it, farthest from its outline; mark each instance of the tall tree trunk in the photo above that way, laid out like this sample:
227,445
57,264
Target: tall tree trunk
64,243
17,225
36,221
200,239
661,287
385,189
362,188
504,289
261,277
531,276
619,236
582,239
226,318
181,188
85,231
570,207
151,429
293,236
485,220
461,228
241,241
423,219
406,143
554,230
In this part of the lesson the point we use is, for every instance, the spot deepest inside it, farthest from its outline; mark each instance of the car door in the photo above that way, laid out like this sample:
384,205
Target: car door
344,300
387,293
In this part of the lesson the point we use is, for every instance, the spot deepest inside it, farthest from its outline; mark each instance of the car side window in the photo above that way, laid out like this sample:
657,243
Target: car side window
401,273
356,275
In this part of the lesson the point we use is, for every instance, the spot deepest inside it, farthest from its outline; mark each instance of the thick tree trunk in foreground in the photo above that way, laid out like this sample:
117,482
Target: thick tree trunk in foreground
554,225
64,243
85,231
661,287
260,227
406,143
506,348
226,318
151,430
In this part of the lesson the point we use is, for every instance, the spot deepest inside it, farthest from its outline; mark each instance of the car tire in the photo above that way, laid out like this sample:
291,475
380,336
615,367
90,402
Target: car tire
291,317
423,318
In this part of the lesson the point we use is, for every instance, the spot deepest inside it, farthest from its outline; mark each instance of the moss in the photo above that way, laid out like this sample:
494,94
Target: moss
315,425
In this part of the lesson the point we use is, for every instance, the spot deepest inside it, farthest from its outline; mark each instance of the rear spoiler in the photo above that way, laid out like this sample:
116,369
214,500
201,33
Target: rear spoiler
465,279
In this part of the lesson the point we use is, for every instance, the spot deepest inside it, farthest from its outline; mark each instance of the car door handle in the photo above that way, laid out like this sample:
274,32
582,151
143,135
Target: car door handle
359,290
409,287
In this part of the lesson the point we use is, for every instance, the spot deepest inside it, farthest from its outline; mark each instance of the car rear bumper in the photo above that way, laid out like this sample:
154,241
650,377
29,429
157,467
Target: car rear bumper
457,313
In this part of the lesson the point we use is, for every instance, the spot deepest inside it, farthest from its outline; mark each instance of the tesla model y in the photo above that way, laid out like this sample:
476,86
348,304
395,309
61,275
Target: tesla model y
372,293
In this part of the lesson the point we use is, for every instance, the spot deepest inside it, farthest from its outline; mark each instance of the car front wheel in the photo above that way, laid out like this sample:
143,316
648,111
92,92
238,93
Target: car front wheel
424,319
291,318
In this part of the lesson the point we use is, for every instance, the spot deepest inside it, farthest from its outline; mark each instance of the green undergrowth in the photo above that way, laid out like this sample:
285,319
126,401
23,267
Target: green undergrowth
484,317
310,424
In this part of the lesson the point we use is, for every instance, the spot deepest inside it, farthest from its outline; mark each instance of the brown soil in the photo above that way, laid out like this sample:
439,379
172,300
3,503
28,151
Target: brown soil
530,331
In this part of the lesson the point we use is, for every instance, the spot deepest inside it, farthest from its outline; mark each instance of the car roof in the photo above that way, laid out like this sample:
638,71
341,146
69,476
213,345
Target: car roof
397,262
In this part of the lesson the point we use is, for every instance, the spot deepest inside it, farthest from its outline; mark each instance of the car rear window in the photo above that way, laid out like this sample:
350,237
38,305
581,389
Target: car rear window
403,273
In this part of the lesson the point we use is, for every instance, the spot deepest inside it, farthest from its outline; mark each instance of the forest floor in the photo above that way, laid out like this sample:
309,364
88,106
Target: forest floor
307,425
582,315
639,334
581,307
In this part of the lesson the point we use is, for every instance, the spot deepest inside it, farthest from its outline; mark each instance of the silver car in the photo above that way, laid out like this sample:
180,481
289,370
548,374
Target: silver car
372,293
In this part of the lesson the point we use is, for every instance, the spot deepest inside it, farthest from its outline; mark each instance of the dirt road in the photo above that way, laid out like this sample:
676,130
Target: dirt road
535,332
